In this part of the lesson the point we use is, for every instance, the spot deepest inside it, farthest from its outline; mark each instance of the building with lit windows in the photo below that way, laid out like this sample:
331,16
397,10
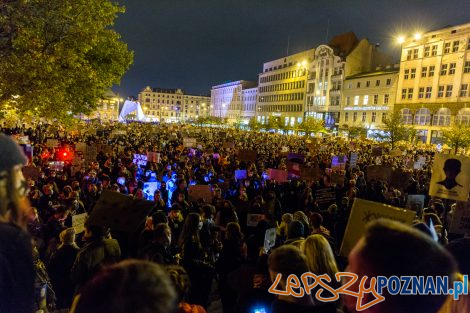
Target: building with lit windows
345,55
368,98
434,80
107,109
249,97
172,105
281,89
228,100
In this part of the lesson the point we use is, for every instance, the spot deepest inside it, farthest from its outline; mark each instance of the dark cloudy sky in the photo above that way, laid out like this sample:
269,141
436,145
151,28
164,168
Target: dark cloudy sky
195,44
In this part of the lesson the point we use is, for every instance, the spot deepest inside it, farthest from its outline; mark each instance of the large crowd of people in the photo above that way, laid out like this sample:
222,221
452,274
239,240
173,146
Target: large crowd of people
191,248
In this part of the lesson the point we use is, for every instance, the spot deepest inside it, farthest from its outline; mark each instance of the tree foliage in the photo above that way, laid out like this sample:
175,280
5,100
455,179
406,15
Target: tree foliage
312,125
254,124
395,130
275,122
355,131
58,56
457,136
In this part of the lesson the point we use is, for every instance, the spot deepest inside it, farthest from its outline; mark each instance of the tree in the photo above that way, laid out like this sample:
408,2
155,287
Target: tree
457,136
58,58
355,131
274,122
312,125
395,130
254,124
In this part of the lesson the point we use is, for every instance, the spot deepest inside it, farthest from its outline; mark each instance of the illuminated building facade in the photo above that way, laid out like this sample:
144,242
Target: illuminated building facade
434,82
228,100
107,109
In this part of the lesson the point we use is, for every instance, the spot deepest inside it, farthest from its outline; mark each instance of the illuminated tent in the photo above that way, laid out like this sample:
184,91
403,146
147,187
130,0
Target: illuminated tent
129,107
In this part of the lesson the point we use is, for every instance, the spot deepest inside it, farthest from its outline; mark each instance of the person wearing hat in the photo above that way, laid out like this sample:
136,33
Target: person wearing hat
60,266
17,272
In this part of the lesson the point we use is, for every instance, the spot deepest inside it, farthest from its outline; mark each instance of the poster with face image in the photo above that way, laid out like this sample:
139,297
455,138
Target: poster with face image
450,177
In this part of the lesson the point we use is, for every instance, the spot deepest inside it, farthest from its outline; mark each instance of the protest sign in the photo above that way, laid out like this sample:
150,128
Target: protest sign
460,223
269,239
150,188
78,222
324,197
247,155
91,153
22,140
140,159
153,157
240,174
412,201
229,145
253,219
338,163
379,173
377,151
196,192
396,153
293,170
52,143
296,157
116,133
353,159
450,177
31,172
189,142
285,149
81,147
119,212
310,173
57,166
362,213
277,175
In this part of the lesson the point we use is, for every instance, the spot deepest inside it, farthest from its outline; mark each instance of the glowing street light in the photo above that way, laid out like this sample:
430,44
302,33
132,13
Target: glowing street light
417,36
401,39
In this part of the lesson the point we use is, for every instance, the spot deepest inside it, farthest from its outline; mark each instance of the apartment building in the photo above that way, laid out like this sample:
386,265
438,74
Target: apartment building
228,99
434,81
368,98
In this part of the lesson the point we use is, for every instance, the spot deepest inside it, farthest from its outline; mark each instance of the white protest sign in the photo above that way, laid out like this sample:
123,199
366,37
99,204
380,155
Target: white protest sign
269,239
353,161
363,212
450,177
140,159
78,222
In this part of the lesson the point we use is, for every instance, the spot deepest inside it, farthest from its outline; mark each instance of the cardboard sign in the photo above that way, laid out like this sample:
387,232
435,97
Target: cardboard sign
377,151
140,159
229,145
153,157
91,153
277,175
247,155
189,142
31,172
353,159
414,200
52,143
150,188
81,147
379,173
362,213
450,177
240,174
78,222
253,219
325,197
310,173
196,192
269,239
119,212
460,223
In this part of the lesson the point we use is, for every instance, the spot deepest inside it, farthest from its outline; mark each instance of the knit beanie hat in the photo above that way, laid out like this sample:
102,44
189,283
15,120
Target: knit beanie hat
10,153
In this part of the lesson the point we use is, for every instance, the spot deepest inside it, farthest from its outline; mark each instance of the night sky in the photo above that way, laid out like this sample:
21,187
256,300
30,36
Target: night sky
195,44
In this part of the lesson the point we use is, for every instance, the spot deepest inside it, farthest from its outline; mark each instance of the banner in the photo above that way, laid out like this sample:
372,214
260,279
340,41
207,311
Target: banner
362,213
450,177
140,159
460,223
196,192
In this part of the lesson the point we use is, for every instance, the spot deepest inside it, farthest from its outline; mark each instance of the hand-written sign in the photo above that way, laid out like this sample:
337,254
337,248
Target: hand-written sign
140,159
460,223
353,159
324,197
78,222
189,142
362,213
197,192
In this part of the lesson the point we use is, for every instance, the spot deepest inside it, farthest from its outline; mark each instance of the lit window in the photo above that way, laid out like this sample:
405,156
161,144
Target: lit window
449,91
447,47
366,100
463,90
356,100
428,92
440,92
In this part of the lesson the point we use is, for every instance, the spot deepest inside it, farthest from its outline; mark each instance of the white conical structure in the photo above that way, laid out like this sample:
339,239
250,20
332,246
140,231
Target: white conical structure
131,106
